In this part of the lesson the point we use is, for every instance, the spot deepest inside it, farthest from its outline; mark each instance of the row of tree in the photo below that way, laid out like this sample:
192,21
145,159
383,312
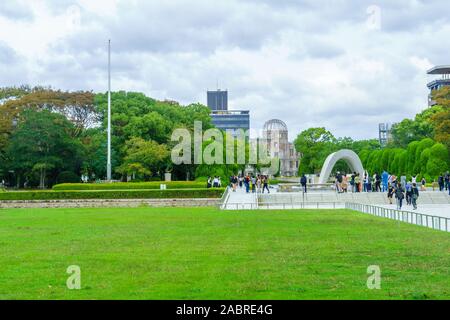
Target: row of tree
49,136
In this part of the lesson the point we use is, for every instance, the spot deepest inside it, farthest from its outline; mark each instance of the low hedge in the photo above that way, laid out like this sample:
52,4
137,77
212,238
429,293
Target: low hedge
130,185
112,194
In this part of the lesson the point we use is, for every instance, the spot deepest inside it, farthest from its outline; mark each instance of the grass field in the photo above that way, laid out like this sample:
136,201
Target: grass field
187,253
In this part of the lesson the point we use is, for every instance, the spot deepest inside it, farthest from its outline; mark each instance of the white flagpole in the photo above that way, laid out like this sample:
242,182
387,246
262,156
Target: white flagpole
108,165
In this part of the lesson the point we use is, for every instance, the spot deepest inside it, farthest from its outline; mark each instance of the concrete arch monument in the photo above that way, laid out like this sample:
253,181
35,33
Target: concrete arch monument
350,157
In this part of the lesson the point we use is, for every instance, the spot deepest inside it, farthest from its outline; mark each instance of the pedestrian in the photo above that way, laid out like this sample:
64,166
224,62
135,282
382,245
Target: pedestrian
266,184
253,184
357,183
209,183
423,183
399,195
247,183
408,187
216,182
352,181
390,192
441,182
384,179
415,195
303,182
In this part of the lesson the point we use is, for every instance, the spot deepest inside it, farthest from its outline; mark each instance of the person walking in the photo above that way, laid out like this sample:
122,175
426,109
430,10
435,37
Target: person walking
414,195
384,179
390,192
357,183
253,184
399,195
303,182
266,184
247,183
408,188
441,182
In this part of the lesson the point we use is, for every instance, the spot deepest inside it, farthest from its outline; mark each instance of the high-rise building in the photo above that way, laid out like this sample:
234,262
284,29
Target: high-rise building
217,100
436,84
223,118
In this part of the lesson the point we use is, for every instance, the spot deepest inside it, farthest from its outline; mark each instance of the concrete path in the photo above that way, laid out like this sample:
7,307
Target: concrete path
241,200
440,210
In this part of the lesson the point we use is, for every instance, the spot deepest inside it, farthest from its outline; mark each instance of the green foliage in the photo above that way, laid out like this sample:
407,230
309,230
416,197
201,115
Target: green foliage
68,177
409,130
42,144
425,158
129,185
112,194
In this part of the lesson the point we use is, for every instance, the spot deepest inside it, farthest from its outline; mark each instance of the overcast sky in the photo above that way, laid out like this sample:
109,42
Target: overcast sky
345,65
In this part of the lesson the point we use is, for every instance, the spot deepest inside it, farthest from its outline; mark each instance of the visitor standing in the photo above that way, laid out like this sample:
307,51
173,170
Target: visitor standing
399,195
424,183
253,184
408,190
209,183
384,178
352,181
390,193
303,182
415,195
266,184
441,182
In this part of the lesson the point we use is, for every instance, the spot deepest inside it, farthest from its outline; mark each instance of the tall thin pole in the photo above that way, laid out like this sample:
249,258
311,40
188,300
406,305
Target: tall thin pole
108,165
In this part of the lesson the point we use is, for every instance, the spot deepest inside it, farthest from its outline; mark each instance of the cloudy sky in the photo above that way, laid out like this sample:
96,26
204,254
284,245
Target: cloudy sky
345,65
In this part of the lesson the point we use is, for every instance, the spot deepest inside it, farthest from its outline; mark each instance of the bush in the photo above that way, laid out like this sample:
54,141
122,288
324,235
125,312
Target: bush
130,185
112,194
68,177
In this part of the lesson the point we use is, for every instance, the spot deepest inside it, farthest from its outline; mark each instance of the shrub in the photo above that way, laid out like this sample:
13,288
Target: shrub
130,185
112,194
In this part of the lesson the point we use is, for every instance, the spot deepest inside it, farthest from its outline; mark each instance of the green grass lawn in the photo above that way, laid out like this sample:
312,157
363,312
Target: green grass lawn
204,253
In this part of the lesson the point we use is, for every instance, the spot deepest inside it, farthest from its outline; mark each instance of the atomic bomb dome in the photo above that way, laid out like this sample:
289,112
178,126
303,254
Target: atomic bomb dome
276,132
275,125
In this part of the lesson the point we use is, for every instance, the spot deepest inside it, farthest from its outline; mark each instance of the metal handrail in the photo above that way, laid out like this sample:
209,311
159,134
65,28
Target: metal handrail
416,218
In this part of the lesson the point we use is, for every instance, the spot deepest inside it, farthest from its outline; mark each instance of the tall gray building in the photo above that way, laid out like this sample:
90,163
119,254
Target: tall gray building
217,100
223,118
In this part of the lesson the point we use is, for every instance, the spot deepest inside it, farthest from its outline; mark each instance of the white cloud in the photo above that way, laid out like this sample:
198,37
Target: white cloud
309,63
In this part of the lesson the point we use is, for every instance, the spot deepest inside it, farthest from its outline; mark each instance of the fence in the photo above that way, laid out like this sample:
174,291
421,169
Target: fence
277,205
420,219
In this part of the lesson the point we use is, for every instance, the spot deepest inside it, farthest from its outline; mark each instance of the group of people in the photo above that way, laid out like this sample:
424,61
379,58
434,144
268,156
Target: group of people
442,183
410,192
213,182
258,183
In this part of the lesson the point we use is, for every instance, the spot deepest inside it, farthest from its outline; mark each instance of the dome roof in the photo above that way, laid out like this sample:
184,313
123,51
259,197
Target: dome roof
275,125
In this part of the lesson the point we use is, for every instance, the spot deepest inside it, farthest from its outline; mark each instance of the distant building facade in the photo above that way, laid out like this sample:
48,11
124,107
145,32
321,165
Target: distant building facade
217,100
276,132
223,118
436,84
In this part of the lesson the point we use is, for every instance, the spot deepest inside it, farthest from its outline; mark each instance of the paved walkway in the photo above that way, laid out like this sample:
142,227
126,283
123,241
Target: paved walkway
440,210
241,200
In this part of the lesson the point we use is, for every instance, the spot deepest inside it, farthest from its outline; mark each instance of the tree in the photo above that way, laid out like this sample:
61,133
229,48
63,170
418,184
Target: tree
42,143
143,158
409,130
438,160
314,144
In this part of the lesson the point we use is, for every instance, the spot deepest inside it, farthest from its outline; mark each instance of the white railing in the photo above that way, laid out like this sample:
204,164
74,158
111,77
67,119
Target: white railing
420,219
